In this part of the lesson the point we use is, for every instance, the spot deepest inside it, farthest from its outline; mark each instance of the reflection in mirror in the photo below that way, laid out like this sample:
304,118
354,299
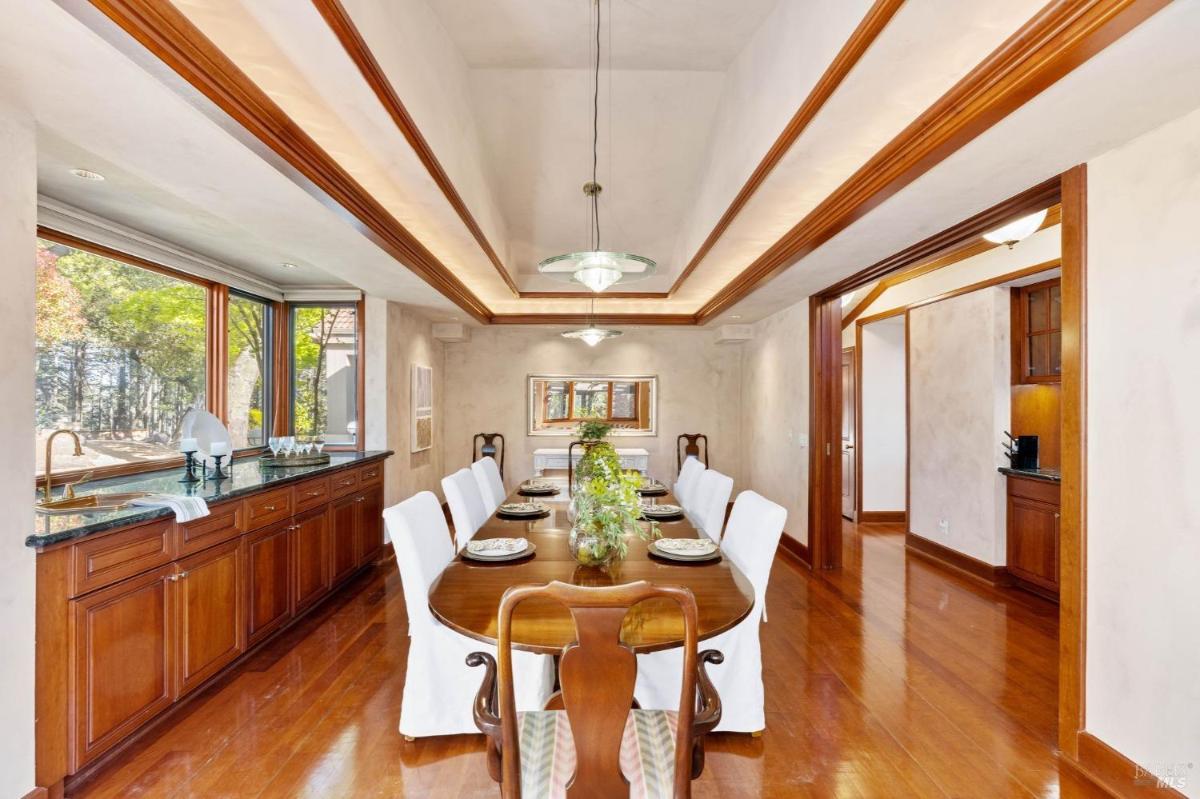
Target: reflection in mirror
558,403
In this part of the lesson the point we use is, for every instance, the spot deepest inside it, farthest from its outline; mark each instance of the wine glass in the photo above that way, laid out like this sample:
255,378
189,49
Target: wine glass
289,445
273,442
319,443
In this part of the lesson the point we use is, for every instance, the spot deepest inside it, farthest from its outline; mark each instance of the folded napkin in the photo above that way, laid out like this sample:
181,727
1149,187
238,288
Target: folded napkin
497,546
186,508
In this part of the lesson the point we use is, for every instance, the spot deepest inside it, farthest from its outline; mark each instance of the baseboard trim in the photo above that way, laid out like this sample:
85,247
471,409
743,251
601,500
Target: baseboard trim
1120,776
965,564
794,550
882,517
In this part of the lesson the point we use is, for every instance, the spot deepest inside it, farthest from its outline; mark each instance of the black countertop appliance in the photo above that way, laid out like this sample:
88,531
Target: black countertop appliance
1022,451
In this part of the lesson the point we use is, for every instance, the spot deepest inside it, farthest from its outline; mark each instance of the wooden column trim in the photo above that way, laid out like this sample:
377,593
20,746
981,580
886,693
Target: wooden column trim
360,400
281,390
1072,635
825,412
217,379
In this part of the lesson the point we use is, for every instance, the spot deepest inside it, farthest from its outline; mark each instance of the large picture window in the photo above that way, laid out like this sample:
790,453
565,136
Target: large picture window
324,374
250,322
121,357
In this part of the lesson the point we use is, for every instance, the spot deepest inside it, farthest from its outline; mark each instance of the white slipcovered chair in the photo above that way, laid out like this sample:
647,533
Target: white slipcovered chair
491,484
709,502
467,509
439,686
750,542
689,473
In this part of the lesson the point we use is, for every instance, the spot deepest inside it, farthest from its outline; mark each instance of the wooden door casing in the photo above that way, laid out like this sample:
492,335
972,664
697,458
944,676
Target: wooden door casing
313,567
210,613
123,638
269,576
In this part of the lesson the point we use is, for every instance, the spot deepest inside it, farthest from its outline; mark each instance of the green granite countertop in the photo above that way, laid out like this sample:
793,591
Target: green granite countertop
247,477
1048,475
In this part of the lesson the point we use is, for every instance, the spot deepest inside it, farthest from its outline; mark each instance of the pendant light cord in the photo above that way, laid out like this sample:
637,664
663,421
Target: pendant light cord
596,134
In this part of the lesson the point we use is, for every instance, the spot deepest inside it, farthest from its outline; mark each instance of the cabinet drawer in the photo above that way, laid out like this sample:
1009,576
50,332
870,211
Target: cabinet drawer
344,482
268,508
221,524
311,494
370,474
1037,490
102,561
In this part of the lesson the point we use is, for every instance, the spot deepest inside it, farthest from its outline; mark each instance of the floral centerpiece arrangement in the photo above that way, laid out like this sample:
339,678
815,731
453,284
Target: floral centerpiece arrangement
591,432
606,508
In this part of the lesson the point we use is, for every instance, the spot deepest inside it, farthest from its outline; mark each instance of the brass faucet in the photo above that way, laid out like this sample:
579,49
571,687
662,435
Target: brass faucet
70,490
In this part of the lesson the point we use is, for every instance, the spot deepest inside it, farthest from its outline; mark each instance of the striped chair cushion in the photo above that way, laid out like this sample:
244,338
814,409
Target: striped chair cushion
548,753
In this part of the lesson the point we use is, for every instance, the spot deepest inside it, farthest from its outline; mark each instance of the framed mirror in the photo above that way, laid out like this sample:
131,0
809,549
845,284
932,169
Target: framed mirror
559,403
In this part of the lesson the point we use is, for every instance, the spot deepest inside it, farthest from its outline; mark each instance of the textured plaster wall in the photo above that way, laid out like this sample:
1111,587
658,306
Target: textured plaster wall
958,382
398,336
698,391
884,427
18,211
1143,462
775,413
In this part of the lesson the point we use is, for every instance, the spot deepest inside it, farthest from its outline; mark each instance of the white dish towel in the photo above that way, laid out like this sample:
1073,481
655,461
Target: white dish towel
186,508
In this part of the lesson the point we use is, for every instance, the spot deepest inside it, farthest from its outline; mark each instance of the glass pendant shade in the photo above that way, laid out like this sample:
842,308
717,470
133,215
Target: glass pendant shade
591,335
597,269
1016,230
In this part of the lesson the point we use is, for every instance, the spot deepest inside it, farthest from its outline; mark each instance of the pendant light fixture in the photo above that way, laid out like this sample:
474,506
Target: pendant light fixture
595,268
591,335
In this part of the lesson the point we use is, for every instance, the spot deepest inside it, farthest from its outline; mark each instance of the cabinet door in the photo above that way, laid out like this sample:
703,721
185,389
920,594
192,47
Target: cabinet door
269,569
123,639
343,517
370,525
312,557
211,613
1033,541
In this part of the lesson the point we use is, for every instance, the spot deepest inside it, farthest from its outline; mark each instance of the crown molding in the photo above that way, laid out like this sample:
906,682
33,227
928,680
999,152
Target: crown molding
215,85
599,319
1061,37
343,27
868,30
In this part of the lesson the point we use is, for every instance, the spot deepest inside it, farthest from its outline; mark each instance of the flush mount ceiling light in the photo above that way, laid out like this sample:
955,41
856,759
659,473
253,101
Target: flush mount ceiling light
87,174
1016,230
591,335
595,268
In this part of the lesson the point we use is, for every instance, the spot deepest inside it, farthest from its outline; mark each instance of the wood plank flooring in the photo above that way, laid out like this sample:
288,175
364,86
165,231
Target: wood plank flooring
890,678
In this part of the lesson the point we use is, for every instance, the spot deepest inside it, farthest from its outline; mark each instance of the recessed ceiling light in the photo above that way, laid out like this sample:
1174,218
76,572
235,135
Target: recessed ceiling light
287,265
735,316
87,174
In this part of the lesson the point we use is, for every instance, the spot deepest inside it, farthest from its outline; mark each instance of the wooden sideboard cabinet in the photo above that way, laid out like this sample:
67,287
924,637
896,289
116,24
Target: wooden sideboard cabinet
134,619
1033,534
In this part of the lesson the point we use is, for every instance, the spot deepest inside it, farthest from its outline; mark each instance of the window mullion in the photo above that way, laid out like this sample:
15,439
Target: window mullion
216,388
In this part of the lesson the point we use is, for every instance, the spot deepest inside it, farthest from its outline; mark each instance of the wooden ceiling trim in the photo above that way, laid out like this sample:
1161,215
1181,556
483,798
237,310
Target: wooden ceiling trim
599,319
356,48
876,19
968,250
584,295
1063,35
161,29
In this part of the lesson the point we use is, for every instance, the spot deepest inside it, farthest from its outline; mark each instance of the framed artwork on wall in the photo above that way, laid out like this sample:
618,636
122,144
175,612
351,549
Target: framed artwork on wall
422,408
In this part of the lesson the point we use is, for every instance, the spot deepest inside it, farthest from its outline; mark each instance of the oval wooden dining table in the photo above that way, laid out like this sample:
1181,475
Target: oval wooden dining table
466,597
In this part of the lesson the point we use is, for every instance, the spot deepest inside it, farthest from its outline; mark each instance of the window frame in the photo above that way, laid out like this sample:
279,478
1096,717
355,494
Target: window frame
277,386
359,372
570,400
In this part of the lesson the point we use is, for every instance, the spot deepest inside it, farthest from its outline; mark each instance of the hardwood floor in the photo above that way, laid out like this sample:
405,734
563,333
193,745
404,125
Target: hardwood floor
890,678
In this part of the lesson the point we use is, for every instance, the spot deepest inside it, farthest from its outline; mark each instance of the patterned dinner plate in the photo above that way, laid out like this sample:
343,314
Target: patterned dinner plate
685,549
652,489
538,488
500,558
661,512
522,510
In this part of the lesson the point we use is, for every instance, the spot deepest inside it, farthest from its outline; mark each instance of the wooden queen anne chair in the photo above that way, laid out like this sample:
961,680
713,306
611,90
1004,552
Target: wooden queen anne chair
598,746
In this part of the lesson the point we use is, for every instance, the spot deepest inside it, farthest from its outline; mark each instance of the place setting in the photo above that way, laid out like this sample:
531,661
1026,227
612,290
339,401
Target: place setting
537,488
498,550
652,488
685,550
664,512
522,511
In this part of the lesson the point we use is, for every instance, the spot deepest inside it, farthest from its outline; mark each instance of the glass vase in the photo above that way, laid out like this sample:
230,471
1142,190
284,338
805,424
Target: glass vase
589,549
